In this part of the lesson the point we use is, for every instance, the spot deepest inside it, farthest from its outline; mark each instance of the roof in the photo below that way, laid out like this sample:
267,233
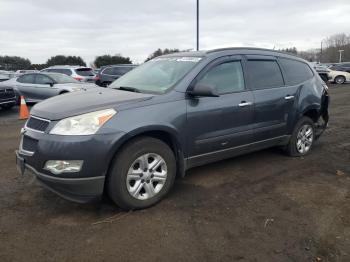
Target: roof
234,50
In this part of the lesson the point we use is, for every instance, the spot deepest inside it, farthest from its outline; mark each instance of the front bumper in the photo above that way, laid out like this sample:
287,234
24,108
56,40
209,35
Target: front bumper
95,151
81,190
7,101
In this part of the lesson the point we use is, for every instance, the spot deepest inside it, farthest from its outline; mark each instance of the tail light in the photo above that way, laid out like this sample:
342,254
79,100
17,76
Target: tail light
79,78
96,78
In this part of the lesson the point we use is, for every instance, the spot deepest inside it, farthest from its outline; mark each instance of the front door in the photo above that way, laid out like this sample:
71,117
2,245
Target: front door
45,87
218,124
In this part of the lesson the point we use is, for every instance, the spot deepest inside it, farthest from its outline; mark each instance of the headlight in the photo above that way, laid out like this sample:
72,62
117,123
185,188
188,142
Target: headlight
76,89
86,124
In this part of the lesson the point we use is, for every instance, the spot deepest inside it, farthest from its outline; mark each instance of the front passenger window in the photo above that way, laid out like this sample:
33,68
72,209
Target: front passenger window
226,77
42,80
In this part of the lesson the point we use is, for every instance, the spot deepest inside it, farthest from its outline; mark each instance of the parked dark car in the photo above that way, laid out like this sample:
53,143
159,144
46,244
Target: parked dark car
36,87
7,97
108,74
341,67
170,114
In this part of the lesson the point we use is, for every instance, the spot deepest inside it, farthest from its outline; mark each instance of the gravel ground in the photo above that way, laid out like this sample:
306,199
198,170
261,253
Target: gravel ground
263,206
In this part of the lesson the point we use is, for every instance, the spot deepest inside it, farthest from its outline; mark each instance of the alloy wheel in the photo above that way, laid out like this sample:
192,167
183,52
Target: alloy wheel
305,138
146,176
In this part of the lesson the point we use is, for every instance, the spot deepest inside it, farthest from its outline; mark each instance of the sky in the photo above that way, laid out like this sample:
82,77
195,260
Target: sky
39,29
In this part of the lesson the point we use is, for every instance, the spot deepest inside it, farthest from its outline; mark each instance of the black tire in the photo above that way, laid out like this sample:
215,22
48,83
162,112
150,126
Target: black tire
339,80
117,177
291,148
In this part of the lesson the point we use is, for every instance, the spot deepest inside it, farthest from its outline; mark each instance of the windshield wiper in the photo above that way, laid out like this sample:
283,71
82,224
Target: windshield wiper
131,89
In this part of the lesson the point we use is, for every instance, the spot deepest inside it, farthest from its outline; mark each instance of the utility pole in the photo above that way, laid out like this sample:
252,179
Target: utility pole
321,53
197,25
340,53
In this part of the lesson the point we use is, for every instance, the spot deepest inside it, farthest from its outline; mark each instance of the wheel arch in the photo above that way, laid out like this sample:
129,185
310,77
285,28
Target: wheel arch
164,133
312,112
64,91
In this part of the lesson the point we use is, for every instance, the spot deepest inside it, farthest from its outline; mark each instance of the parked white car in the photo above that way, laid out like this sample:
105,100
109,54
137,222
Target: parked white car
338,77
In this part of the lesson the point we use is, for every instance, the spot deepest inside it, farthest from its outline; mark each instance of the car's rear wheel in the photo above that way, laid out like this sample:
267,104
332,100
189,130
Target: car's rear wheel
141,174
339,80
302,138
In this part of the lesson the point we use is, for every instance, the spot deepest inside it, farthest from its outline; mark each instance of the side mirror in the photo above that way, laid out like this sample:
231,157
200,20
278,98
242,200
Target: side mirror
204,90
50,83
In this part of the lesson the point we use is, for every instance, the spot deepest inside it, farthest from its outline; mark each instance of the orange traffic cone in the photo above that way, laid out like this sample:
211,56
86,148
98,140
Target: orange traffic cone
23,109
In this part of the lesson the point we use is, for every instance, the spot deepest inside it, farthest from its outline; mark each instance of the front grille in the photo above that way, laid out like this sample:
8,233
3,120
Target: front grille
7,93
29,144
37,124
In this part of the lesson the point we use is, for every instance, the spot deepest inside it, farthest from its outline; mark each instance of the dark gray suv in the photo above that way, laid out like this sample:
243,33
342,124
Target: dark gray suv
170,114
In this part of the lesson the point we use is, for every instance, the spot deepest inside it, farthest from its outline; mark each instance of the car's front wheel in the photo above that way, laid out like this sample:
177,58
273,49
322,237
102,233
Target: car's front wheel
302,138
141,174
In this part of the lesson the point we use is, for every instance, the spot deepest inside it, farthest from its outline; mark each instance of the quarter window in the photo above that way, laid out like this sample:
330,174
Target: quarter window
264,74
226,77
295,72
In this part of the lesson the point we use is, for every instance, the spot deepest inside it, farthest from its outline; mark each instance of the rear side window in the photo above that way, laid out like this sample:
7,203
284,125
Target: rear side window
121,70
67,72
264,74
108,71
84,72
26,79
295,72
226,77
117,70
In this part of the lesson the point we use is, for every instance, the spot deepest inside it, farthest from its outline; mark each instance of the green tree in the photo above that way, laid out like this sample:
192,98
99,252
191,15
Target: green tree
14,63
160,52
38,66
292,50
104,60
65,60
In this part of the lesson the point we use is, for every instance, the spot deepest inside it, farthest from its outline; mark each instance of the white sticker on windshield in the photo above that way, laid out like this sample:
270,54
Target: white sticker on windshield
179,59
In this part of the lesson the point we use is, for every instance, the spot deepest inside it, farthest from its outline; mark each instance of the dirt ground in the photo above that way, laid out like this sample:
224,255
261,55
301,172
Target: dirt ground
263,206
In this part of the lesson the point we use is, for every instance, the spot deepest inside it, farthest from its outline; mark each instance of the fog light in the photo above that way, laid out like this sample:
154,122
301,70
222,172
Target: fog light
63,166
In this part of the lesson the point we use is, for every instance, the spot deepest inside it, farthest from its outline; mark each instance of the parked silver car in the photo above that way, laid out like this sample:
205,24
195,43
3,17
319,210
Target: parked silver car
36,87
80,73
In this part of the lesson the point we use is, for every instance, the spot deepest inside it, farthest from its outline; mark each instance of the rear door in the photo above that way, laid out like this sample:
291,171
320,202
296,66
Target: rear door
297,76
218,124
273,99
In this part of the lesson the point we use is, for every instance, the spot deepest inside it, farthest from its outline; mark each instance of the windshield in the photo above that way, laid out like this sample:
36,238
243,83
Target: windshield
157,75
62,79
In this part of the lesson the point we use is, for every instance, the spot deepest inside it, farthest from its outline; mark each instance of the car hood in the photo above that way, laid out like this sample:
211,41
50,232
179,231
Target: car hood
81,102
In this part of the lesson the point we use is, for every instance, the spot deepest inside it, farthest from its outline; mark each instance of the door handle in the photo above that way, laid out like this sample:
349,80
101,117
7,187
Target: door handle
288,97
244,103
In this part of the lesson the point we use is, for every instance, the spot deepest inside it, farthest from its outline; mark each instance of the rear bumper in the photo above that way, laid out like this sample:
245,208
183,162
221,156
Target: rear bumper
81,190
